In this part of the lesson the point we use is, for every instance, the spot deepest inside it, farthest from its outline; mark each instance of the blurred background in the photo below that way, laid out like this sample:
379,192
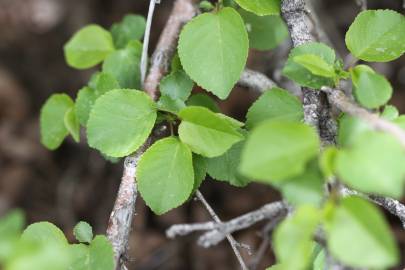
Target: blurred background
75,183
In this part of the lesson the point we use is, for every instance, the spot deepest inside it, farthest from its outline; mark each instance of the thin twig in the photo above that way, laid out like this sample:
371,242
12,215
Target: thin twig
316,108
265,245
216,232
144,58
362,4
183,11
230,238
119,225
120,222
255,81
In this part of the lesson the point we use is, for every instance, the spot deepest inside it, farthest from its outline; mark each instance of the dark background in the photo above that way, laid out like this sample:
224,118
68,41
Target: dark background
74,183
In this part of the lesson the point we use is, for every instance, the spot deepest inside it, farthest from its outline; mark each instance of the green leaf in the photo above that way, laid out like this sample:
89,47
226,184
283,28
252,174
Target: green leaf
200,170
292,239
44,233
101,255
275,104
400,121
357,70
53,129
105,82
39,256
205,132
377,36
306,188
83,232
205,5
371,90
225,167
84,102
316,65
350,128
261,7
79,254
301,75
276,151
120,122
327,161
177,85
72,124
88,47
358,219
390,112
265,32
203,100
132,27
124,66
374,163
168,104
276,267
11,226
165,175
319,262
213,49
98,255
236,124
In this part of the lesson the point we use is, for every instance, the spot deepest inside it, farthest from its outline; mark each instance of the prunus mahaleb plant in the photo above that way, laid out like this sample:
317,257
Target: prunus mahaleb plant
333,154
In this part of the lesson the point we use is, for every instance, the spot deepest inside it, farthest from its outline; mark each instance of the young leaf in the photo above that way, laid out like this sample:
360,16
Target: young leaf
377,36
316,65
83,232
302,75
292,240
132,27
357,70
124,66
53,129
371,90
213,49
374,248
275,104
261,7
390,112
265,32
88,47
72,124
101,254
105,82
374,163
177,85
225,167
207,6
165,175
44,233
203,100
84,102
120,121
276,151
206,133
